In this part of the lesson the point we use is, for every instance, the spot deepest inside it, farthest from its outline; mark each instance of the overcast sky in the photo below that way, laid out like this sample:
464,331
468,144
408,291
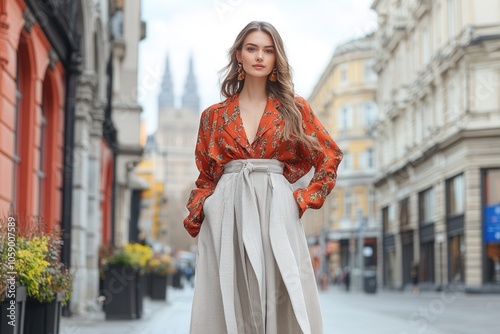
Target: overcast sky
207,28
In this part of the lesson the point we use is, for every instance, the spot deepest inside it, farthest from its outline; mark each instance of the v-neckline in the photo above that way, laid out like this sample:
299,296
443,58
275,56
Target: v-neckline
243,124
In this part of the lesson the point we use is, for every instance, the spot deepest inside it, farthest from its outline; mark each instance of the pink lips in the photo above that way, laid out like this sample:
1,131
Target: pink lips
258,66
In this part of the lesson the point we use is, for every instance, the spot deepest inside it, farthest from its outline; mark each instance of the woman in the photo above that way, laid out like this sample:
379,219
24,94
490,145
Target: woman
254,274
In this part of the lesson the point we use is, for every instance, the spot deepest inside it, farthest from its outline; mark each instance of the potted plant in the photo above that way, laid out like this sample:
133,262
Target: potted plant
123,281
12,295
159,267
37,268
47,280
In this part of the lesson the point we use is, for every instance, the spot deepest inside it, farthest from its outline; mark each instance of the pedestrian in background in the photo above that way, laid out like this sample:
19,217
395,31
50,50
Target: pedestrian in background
347,280
253,272
189,273
414,278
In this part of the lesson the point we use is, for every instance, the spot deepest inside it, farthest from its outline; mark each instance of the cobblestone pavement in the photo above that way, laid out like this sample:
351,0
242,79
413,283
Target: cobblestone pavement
450,312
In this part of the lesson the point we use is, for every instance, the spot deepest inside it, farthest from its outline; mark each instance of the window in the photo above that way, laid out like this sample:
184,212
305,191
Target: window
392,216
41,167
457,259
451,19
371,203
369,159
343,73
370,113
452,112
385,220
427,262
426,120
348,203
404,216
17,133
347,160
455,191
426,205
418,125
491,193
370,74
345,117
426,53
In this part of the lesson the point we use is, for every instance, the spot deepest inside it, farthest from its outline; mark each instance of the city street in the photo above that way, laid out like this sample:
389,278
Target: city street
344,312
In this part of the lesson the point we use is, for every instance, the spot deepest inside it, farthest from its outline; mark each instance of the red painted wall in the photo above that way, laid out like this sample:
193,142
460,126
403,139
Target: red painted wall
25,54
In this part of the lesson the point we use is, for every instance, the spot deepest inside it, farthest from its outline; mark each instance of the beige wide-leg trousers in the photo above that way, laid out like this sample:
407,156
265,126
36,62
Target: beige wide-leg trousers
253,270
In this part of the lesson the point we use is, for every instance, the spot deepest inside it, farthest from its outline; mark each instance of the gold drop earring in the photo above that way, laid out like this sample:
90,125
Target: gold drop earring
274,75
241,72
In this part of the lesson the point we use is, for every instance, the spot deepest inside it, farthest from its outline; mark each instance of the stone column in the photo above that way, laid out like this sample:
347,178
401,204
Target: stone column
80,214
94,214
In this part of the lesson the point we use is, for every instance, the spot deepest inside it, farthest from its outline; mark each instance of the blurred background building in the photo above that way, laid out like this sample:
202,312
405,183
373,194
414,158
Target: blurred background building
175,140
344,98
415,109
438,130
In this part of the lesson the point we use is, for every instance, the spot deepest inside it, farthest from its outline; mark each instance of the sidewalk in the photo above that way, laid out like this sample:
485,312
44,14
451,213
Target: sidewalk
354,312
171,317
396,312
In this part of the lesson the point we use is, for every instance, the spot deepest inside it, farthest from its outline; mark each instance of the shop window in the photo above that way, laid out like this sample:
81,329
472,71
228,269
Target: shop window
385,220
426,203
404,217
492,241
455,192
390,267
427,262
457,259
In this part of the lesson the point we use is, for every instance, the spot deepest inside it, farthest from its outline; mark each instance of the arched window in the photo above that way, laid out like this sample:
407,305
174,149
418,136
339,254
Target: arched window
24,159
16,157
42,150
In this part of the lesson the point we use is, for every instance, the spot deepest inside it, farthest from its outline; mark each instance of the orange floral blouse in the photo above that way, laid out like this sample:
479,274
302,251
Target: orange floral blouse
222,138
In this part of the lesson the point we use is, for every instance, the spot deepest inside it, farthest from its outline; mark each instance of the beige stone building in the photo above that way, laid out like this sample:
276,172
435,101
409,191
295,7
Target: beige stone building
438,135
344,98
175,141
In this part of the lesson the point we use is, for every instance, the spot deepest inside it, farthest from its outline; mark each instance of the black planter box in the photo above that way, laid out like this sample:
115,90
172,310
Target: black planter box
158,287
42,317
120,291
146,283
18,328
139,293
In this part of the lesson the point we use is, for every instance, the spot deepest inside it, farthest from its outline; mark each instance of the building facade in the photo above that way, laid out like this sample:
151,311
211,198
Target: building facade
59,140
438,131
344,98
33,88
127,30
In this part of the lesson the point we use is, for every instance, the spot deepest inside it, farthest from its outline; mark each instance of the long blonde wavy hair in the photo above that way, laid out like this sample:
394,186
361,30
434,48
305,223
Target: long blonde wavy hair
282,89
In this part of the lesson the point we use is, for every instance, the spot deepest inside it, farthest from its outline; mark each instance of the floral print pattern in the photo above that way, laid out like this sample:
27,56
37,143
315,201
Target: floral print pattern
222,138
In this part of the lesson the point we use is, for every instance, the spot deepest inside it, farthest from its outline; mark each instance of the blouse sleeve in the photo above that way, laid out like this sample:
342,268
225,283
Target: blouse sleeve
325,162
205,183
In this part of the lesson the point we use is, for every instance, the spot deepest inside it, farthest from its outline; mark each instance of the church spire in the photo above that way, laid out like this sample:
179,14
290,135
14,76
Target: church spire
166,98
190,98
